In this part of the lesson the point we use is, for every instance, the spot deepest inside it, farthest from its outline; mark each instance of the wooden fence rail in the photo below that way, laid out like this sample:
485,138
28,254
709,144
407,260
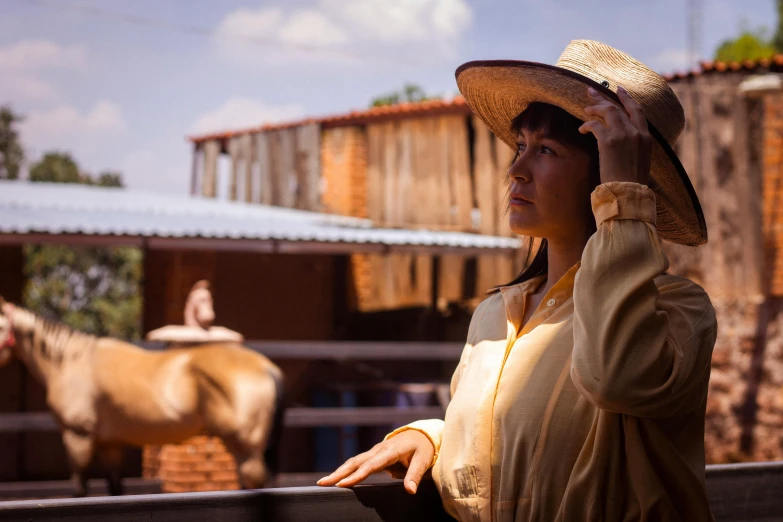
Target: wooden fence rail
358,350
738,492
294,418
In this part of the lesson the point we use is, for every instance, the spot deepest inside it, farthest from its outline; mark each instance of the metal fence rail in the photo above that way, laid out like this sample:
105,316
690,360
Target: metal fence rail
738,492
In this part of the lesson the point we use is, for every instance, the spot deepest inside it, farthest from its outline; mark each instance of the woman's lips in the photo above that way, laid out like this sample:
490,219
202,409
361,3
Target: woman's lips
518,201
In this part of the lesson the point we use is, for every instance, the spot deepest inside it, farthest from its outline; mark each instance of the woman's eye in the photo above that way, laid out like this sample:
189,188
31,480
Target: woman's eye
547,150
520,147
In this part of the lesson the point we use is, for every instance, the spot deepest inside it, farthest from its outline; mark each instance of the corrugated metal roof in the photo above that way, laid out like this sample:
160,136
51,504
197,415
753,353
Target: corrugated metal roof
54,208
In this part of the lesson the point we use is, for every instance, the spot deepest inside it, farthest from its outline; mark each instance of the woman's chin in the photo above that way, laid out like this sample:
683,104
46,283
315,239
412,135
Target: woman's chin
524,229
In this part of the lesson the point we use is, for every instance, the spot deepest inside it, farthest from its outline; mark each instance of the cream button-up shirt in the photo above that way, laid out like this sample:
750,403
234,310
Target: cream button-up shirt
594,409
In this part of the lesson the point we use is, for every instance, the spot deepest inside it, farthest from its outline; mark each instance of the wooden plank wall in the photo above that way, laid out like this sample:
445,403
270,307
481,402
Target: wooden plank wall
437,173
721,156
440,173
491,159
279,167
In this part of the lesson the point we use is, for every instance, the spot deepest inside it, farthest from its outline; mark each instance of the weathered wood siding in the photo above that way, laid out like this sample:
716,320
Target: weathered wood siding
277,167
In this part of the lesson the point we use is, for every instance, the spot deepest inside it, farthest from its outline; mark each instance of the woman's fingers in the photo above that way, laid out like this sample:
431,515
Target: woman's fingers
374,464
416,470
348,467
634,110
599,130
613,115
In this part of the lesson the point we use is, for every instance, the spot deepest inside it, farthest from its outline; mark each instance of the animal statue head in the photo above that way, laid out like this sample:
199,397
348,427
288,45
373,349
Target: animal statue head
7,337
199,307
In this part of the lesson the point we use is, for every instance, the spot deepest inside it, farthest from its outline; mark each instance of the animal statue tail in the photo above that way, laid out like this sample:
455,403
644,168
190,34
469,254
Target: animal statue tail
272,453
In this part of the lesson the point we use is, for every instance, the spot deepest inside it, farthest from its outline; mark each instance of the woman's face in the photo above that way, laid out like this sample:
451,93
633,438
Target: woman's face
549,189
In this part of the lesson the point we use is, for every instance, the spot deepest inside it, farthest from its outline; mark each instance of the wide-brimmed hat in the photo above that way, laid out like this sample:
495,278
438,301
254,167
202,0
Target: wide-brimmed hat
499,90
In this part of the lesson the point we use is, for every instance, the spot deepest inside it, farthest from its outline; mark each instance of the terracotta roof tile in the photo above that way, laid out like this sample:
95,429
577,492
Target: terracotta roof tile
773,63
456,105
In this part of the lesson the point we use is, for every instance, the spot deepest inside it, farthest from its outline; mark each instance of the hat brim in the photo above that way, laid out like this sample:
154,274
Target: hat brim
499,90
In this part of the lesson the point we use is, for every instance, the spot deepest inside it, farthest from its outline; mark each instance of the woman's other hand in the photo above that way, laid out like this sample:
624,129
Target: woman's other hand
410,449
624,142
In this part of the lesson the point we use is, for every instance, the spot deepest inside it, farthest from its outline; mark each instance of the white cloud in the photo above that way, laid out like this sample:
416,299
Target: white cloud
311,27
404,20
237,113
66,128
163,167
344,31
25,86
22,64
671,60
30,55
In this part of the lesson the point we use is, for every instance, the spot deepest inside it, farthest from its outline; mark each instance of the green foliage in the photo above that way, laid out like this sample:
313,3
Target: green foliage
409,93
749,45
109,179
57,167
60,167
11,153
92,289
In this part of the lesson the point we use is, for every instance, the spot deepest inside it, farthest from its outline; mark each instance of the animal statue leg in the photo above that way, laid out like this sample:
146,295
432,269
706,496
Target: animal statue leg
111,458
251,467
79,448
252,472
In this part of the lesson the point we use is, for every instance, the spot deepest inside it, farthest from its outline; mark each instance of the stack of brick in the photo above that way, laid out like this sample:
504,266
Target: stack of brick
730,363
198,464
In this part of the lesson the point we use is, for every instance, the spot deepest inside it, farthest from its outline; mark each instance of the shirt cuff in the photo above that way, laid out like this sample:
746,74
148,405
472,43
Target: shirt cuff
623,200
420,426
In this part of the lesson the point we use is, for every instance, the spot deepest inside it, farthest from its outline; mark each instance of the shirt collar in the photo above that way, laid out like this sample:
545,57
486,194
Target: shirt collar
514,297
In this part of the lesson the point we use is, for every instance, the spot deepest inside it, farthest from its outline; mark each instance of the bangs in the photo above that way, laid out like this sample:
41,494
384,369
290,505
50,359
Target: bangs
554,123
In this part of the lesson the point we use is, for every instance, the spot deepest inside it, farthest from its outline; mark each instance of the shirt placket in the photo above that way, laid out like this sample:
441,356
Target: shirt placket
513,297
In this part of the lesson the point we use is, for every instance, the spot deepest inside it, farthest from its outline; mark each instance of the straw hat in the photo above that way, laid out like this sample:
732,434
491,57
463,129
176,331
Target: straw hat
499,90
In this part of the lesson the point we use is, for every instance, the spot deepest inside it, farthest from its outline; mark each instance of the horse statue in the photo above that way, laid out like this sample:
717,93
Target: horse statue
199,319
105,394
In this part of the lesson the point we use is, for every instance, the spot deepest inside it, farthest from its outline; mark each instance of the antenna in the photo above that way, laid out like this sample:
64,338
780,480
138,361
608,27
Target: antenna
693,15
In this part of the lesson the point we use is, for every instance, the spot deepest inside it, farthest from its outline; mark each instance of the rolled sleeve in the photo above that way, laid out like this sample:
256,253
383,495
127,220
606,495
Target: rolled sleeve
431,428
623,200
639,349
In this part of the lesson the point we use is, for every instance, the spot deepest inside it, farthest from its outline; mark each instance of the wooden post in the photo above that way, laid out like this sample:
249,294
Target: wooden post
211,152
196,170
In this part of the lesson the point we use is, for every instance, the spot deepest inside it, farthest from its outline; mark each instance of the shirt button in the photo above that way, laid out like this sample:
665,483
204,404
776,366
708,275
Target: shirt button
551,302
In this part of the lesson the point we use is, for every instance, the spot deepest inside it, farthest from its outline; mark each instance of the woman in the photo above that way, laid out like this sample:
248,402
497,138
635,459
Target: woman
581,392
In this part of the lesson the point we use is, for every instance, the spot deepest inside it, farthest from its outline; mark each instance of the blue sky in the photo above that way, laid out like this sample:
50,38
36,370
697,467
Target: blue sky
122,86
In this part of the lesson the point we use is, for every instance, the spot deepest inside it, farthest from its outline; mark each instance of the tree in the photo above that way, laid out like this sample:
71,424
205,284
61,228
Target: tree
57,167
109,179
749,45
410,93
93,289
11,152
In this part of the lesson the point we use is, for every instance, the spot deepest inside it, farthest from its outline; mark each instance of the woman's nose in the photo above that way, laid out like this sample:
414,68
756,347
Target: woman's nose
520,170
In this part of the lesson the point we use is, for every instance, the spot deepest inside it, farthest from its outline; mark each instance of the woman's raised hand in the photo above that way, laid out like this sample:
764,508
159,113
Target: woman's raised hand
624,142
410,449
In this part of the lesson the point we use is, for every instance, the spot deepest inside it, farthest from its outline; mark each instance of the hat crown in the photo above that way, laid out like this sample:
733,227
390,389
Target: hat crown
606,65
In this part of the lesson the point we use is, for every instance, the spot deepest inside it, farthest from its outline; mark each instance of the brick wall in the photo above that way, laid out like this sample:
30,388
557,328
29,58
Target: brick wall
741,322
198,464
344,171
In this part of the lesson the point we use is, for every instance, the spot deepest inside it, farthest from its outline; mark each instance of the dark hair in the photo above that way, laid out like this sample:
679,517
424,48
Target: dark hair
561,126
